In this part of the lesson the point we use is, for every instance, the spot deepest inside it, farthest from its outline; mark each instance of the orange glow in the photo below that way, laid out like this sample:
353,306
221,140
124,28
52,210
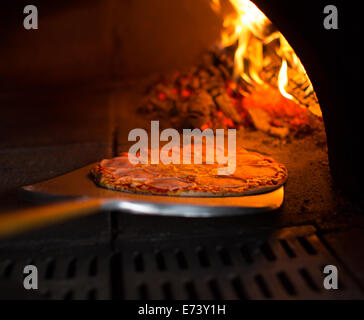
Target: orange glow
283,80
252,33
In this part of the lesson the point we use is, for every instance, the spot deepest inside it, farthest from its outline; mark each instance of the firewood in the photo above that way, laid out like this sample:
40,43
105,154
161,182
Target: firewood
261,120
199,108
224,102
207,96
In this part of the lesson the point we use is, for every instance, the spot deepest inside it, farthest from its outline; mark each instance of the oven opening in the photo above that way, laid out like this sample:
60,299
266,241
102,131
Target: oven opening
96,227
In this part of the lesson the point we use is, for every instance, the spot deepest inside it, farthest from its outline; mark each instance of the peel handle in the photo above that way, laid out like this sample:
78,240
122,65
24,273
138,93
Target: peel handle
21,220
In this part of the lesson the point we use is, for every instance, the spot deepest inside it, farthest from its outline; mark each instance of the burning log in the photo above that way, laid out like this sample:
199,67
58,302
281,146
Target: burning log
224,102
298,86
282,112
262,121
199,109
206,97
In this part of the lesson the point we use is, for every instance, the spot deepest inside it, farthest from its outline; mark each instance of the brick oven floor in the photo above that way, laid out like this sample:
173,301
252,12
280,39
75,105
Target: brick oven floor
64,130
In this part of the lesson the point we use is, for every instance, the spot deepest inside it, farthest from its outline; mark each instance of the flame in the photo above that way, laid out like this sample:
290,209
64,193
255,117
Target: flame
283,80
247,22
252,32
215,5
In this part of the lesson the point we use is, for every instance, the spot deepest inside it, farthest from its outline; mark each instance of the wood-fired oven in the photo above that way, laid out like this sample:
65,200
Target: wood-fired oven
72,90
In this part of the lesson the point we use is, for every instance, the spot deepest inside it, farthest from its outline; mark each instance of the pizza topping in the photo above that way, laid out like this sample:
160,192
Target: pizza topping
116,163
219,182
136,173
169,184
253,172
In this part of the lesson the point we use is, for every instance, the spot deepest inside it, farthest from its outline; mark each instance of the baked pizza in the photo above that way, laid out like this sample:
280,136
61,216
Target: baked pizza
254,173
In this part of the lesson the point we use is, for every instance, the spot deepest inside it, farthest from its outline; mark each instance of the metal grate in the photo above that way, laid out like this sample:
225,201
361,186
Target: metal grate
77,275
285,264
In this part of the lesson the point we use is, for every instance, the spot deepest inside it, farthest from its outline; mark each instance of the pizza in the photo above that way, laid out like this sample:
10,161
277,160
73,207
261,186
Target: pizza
255,173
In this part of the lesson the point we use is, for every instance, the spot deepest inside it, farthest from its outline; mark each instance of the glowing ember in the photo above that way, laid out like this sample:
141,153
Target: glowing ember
282,111
253,79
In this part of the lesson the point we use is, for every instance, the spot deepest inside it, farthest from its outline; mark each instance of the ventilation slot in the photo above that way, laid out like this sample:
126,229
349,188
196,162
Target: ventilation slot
238,288
267,252
202,257
224,256
307,245
245,252
181,260
308,279
215,290
50,268
167,291
7,269
263,286
143,291
161,263
92,270
115,276
287,248
191,290
71,270
287,284
138,262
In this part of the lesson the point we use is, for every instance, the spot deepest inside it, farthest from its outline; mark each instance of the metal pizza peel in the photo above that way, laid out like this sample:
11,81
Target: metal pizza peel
75,194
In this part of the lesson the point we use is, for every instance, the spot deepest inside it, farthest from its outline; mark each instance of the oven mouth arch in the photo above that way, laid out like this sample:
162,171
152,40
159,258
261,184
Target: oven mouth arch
323,54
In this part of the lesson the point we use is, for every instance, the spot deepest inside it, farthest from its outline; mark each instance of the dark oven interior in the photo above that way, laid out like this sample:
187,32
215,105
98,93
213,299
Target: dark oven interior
72,90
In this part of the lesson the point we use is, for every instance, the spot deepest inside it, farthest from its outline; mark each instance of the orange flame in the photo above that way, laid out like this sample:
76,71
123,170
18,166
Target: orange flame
252,31
283,80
